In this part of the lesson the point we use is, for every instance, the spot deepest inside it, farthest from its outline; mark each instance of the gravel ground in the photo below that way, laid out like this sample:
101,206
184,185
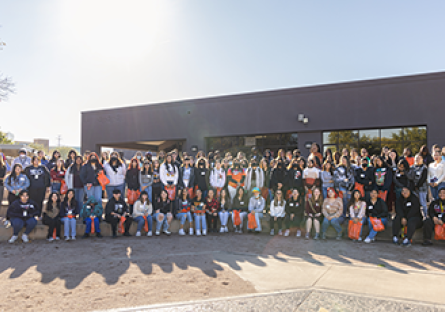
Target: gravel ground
96,274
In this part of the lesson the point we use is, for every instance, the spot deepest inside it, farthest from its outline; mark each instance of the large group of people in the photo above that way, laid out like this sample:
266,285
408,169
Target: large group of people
302,196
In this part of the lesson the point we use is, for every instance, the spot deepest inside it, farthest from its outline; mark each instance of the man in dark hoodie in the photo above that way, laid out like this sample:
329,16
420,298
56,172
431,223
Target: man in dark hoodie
436,216
407,215
115,209
365,177
403,177
92,214
22,213
39,182
279,180
202,177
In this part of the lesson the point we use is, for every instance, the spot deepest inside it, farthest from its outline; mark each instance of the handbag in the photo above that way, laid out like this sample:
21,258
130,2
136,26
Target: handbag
132,196
377,224
63,187
439,232
354,230
103,180
236,218
121,229
251,224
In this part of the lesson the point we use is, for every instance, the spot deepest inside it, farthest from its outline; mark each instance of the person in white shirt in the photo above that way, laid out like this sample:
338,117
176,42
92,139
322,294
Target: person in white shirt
217,178
436,175
22,159
277,212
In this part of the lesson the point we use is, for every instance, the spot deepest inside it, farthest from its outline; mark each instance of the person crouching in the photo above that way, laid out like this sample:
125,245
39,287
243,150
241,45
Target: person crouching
92,213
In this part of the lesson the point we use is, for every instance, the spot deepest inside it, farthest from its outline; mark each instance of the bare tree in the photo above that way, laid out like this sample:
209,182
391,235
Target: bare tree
7,86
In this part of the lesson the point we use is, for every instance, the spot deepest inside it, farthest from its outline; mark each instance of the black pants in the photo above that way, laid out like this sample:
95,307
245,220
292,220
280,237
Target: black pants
212,221
272,222
52,223
296,221
413,224
113,221
37,195
12,198
428,229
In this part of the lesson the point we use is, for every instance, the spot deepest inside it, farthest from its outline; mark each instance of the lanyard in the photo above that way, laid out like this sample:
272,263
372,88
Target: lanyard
441,207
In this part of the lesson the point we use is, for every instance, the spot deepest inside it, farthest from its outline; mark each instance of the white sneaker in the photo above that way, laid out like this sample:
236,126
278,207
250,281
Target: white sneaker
280,232
13,239
57,238
149,233
50,239
25,238
73,237
286,233
395,240
298,233
138,234
181,232
198,233
166,232
191,231
368,240
158,233
360,239
272,232
226,229
222,230
67,238
204,232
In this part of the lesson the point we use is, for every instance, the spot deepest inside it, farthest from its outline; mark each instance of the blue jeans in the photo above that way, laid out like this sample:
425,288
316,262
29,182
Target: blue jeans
78,195
435,190
346,197
184,216
258,217
96,225
398,192
224,217
55,187
18,224
325,192
200,222
111,188
141,222
372,234
335,224
149,192
242,216
69,224
94,191
163,222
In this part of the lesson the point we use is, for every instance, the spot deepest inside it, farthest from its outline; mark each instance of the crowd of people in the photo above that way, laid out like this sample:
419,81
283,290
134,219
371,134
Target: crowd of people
301,195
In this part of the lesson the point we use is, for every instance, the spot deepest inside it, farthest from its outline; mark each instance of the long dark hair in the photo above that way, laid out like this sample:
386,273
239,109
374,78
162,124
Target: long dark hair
150,168
50,203
73,202
352,199
13,175
74,169
53,157
148,198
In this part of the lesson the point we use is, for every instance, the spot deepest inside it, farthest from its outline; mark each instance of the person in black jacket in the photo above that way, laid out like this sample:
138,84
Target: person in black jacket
241,204
295,177
132,178
403,177
436,216
115,209
88,175
163,213
295,212
407,215
202,176
365,177
39,182
22,212
278,181
186,176
375,208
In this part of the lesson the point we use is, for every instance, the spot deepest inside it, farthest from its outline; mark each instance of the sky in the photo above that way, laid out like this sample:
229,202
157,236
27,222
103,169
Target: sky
69,56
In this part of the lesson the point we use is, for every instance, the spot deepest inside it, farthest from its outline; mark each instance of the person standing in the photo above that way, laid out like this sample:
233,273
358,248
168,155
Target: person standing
22,159
115,170
88,175
16,182
420,186
39,182
436,175
74,181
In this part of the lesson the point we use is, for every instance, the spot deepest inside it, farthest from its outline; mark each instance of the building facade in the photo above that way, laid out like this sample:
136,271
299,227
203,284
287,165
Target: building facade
398,112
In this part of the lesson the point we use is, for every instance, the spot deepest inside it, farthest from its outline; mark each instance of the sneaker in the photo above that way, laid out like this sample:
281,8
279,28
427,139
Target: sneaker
280,232
226,229
323,236
72,238
158,233
406,242
198,232
427,243
181,232
13,239
286,233
67,238
272,232
307,236
298,233
338,237
360,239
204,232
86,235
395,240
25,238
368,240
57,238
317,236
51,239
166,232
149,233
191,231
222,230
98,235
138,234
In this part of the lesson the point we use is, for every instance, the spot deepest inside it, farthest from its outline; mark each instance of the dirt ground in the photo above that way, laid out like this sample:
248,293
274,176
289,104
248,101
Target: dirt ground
96,274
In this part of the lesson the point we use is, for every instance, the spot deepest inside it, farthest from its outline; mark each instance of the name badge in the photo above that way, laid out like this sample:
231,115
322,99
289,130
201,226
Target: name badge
327,206
362,175
291,205
440,216
70,211
241,203
203,173
418,173
398,175
36,177
371,207
408,204
384,169
25,213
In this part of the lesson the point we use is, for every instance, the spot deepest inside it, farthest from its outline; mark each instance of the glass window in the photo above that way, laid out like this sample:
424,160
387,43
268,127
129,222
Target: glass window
289,139
330,137
415,134
397,146
369,136
391,135
348,137
332,147
373,148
